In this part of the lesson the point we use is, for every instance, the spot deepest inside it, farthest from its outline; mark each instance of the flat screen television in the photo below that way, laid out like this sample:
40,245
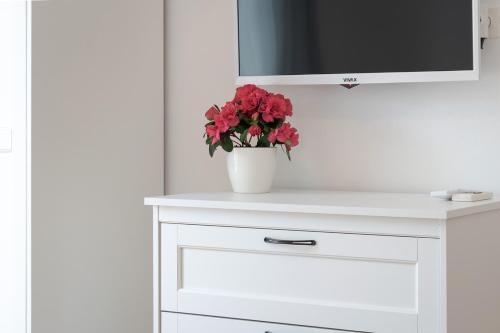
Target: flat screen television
356,41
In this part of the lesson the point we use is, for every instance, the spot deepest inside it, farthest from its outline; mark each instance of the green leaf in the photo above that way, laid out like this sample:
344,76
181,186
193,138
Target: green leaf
240,128
245,118
226,143
244,135
212,149
263,142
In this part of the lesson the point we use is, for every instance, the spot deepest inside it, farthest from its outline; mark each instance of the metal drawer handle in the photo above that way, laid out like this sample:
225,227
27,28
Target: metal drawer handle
270,240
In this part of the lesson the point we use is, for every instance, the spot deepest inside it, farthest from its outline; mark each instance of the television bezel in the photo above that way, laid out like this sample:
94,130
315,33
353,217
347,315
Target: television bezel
366,78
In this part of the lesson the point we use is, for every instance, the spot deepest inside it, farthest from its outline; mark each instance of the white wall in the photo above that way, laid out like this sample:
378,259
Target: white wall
395,137
97,151
13,167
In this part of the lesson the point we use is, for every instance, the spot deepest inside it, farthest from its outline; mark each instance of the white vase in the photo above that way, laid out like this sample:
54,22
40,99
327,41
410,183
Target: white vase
251,170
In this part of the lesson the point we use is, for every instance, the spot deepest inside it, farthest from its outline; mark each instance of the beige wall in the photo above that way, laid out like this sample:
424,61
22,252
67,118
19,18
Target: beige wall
393,137
97,151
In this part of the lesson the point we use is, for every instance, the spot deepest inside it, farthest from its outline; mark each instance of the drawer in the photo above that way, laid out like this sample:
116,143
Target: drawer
183,323
338,281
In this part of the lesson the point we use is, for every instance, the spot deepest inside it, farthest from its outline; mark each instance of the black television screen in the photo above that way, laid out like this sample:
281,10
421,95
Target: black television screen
344,37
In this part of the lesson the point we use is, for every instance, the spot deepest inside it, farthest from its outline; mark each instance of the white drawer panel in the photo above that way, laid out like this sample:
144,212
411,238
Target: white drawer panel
349,282
327,244
298,278
182,323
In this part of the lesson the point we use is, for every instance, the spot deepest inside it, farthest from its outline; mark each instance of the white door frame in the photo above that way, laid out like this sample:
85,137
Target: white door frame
15,164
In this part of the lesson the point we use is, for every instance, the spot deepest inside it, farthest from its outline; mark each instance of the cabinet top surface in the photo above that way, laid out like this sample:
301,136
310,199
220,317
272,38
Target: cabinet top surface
334,203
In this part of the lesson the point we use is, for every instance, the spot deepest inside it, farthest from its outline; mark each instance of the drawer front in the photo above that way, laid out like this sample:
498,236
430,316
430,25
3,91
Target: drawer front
338,281
183,323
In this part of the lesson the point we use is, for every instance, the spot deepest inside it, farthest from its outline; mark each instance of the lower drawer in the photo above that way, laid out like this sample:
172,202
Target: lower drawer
183,323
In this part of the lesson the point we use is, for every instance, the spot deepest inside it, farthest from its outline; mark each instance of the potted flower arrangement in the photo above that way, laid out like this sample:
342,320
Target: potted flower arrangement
250,128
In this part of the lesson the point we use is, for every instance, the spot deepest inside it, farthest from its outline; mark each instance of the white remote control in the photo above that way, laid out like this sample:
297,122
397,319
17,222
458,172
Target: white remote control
448,194
472,197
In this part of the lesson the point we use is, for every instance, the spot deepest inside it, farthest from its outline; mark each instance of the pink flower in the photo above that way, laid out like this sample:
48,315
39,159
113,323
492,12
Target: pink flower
210,114
286,135
250,104
230,115
213,132
221,124
243,91
254,130
227,118
255,113
289,108
276,106
249,98
272,136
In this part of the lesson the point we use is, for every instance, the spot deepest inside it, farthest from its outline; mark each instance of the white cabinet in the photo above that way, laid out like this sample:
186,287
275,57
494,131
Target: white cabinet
215,274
